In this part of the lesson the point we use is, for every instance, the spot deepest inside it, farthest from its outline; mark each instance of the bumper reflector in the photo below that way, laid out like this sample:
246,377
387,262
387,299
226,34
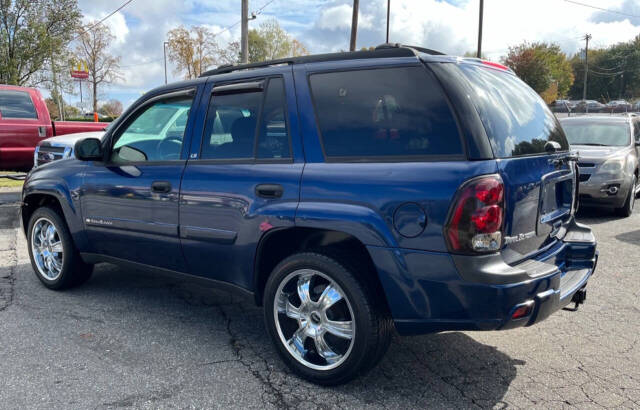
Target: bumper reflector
522,310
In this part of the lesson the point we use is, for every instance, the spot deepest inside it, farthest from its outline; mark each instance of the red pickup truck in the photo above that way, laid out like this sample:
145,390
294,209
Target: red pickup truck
24,121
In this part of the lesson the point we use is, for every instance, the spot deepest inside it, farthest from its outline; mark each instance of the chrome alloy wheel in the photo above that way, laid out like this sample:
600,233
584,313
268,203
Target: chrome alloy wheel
47,250
314,319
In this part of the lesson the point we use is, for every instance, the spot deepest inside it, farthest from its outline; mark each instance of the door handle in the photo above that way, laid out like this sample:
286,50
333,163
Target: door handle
269,191
161,187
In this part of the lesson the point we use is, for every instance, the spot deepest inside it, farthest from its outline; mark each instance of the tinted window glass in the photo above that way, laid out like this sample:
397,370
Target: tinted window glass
384,113
597,133
155,134
273,141
516,119
17,104
231,126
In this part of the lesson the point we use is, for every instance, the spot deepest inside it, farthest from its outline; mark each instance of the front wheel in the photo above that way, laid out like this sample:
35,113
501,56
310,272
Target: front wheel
629,203
322,319
53,255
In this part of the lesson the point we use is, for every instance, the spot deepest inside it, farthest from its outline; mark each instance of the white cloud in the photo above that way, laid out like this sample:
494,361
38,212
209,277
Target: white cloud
339,17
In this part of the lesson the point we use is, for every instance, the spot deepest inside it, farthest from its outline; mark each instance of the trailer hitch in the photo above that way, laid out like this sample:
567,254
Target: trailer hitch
578,298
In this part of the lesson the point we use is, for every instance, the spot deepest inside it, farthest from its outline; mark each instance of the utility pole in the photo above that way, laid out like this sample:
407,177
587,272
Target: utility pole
354,25
479,53
388,15
244,42
164,46
587,37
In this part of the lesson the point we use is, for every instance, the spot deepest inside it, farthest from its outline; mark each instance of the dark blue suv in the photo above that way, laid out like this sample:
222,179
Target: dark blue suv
350,194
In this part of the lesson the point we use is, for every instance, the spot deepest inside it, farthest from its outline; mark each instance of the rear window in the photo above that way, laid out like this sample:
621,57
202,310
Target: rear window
17,104
516,119
597,133
384,113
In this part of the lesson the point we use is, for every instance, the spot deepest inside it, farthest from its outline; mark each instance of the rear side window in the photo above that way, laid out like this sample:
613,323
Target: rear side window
384,113
516,119
17,104
235,120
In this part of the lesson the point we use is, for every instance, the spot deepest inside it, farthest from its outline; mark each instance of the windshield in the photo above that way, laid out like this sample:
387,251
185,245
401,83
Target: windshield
517,120
598,134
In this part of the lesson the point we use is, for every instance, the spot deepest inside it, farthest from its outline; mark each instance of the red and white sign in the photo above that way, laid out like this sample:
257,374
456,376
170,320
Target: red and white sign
80,70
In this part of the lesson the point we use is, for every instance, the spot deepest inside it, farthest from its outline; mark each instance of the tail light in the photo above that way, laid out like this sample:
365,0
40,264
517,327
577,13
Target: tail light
476,218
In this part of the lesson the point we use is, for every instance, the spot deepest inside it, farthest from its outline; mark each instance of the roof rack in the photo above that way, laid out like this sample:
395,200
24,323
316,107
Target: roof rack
387,50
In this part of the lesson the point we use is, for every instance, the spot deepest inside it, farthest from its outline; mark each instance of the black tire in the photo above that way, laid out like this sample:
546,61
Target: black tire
74,271
372,328
626,210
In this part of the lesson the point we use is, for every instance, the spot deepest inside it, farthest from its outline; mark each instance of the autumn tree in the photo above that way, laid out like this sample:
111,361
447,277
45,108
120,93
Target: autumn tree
541,65
31,32
93,49
112,108
192,51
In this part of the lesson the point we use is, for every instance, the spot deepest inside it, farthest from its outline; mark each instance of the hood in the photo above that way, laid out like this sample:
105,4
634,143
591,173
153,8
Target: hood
71,139
598,154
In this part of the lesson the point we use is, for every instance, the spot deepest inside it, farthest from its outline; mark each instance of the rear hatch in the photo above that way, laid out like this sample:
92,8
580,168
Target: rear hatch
539,186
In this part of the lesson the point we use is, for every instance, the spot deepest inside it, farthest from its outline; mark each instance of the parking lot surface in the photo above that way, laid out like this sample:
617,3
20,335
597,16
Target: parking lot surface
133,339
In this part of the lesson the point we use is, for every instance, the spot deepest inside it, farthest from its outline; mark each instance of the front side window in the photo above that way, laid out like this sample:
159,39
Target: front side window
155,134
381,113
597,133
17,104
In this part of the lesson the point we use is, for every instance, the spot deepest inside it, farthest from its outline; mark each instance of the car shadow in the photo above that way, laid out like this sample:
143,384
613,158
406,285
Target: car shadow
451,370
595,215
632,237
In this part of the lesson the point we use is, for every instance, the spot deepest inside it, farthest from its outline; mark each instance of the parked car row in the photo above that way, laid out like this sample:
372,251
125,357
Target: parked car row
349,194
593,106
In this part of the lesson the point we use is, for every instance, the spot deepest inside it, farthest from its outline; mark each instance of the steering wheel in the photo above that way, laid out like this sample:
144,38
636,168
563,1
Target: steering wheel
169,148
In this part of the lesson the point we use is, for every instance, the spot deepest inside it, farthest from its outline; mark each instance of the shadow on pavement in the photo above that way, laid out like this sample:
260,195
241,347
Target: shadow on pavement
441,370
632,237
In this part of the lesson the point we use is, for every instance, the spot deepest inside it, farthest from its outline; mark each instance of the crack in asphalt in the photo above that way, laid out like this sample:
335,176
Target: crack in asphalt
7,274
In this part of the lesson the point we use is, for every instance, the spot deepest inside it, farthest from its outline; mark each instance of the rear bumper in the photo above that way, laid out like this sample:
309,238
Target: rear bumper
432,292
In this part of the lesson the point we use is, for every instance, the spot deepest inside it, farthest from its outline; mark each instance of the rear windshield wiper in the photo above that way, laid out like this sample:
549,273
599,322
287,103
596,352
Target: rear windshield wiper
594,144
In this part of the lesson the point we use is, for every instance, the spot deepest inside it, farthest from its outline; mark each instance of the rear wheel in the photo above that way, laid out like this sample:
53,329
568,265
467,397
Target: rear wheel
629,203
53,255
323,320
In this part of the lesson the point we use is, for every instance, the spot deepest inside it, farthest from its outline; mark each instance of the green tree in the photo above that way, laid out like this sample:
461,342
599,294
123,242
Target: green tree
541,65
270,42
30,33
614,72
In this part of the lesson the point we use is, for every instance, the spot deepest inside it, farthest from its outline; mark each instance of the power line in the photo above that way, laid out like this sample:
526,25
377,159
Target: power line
126,3
602,9
257,12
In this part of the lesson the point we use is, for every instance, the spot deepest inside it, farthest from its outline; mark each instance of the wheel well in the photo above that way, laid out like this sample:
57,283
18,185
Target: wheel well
285,242
35,201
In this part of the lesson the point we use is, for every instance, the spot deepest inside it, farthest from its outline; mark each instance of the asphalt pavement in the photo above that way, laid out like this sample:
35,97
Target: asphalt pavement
133,339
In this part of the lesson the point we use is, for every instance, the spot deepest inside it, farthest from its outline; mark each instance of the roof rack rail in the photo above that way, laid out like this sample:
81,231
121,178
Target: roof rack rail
387,50
416,48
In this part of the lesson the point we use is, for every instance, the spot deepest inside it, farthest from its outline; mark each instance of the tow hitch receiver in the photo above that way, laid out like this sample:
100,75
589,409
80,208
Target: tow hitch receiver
578,298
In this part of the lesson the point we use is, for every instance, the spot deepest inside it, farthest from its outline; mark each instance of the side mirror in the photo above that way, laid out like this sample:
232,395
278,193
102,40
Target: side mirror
89,149
552,146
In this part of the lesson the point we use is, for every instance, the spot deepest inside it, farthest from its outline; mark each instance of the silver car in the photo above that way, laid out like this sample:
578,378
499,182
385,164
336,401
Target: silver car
608,147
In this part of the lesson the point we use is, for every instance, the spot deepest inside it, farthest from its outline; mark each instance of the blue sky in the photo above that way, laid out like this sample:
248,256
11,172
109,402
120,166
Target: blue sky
323,26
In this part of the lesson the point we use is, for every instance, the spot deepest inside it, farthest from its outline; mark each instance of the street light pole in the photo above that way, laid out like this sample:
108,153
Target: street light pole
354,25
164,46
479,53
388,14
